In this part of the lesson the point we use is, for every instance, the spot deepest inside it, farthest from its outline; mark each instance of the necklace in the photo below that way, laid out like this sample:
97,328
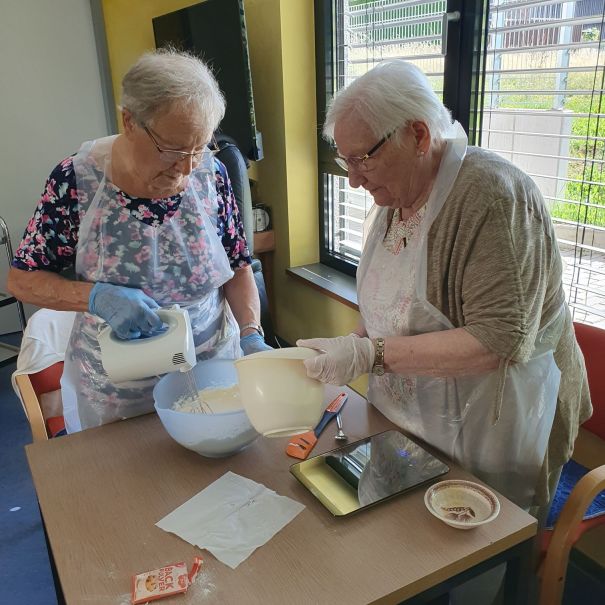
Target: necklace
401,231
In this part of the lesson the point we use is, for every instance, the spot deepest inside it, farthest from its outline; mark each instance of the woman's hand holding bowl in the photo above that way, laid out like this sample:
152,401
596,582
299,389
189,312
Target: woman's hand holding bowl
343,358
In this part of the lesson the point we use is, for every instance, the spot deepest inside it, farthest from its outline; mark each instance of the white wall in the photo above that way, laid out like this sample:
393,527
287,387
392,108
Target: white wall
50,101
517,125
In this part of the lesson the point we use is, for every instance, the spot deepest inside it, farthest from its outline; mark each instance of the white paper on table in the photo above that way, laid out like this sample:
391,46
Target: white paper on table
231,518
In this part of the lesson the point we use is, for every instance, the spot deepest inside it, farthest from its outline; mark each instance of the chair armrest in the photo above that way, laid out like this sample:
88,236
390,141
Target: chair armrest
32,407
564,535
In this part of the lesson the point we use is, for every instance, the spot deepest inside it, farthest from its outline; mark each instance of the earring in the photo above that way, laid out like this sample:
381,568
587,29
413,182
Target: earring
419,153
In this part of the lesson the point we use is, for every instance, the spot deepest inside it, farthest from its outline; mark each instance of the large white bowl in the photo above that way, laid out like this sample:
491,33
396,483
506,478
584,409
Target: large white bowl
278,396
211,435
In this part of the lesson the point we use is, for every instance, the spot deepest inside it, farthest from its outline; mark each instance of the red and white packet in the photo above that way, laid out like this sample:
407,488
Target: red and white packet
164,582
195,568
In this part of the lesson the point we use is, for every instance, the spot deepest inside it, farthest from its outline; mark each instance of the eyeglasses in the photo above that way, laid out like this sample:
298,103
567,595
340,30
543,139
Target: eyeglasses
359,163
172,156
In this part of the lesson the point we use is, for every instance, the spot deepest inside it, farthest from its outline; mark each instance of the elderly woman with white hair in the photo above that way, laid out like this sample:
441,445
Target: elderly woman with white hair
464,327
147,219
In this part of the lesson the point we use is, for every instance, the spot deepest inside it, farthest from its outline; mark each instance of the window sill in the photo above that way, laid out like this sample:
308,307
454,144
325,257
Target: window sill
328,281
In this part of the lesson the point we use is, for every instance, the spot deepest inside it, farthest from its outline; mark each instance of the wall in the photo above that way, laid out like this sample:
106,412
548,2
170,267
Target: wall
282,58
51,101
508,135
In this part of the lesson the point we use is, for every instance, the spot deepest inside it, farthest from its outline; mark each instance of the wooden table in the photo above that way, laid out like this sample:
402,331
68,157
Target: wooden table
102,491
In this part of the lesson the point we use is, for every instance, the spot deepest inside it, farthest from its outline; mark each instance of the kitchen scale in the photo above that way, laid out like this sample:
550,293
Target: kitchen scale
364,473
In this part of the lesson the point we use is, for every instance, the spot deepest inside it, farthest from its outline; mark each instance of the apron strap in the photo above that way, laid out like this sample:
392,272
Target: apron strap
502,371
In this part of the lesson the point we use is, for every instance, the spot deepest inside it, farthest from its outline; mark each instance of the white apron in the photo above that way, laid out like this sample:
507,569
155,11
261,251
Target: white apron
496,425
180,261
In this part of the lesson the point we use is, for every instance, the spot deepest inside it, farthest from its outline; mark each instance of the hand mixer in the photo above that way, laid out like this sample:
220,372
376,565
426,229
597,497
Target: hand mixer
168,351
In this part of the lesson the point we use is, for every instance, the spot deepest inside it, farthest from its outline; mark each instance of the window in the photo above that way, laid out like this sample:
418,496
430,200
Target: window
526,81
355,35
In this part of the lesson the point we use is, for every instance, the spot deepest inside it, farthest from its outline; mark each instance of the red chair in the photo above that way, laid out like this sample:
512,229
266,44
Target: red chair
589,451
32,387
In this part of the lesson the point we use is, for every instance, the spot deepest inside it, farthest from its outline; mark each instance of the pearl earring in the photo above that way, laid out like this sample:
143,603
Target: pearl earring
420,153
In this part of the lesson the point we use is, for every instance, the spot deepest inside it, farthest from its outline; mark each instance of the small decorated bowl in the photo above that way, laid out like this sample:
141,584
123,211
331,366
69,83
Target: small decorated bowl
462,504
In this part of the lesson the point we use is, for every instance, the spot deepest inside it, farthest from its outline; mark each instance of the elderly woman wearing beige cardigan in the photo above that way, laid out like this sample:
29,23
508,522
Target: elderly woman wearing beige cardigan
464,327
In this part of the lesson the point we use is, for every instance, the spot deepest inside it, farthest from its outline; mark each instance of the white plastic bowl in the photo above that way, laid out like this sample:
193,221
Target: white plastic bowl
278,396
462,504
211,435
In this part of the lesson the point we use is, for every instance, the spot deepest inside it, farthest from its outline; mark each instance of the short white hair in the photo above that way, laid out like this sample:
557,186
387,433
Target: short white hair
392,94
165,77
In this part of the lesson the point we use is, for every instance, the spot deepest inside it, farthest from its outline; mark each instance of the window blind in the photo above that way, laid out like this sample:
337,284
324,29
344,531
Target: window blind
541,109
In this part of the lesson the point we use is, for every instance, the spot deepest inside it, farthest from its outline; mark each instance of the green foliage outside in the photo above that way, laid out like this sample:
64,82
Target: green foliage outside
585,170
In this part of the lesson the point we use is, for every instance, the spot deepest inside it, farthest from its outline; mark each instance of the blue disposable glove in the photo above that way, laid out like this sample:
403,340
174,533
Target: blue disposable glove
253,343
129,311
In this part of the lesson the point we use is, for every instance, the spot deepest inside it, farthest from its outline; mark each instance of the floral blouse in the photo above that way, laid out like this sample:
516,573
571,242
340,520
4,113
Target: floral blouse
51,236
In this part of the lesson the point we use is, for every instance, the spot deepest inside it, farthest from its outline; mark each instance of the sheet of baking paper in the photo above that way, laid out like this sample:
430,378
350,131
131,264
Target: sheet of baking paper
231,518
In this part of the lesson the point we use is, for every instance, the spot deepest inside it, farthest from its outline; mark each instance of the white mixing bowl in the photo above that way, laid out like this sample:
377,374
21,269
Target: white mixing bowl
278,396
211,435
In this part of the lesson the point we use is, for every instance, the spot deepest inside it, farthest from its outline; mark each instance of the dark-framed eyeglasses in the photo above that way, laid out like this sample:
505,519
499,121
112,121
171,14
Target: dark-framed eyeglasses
359,163
172,156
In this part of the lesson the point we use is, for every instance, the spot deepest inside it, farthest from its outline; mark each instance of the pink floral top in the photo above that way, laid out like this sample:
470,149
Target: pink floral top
51,236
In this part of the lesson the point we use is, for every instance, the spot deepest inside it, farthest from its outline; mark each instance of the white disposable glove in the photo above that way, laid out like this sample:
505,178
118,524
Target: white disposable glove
343,358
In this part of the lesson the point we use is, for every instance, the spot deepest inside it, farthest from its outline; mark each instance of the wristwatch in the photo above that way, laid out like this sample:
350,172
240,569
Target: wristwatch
378,367
254,326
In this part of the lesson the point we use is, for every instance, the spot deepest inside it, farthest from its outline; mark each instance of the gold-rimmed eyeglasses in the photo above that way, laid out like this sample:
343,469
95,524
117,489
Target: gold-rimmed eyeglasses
359,163
172,156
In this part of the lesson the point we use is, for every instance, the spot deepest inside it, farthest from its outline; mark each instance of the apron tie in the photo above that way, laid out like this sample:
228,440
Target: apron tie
502,372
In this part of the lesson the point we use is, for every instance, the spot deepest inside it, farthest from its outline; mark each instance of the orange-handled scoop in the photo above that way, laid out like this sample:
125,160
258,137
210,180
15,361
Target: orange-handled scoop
301,445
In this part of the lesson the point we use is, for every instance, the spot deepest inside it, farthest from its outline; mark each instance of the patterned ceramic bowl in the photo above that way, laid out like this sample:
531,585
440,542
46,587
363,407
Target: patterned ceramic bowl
462,504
